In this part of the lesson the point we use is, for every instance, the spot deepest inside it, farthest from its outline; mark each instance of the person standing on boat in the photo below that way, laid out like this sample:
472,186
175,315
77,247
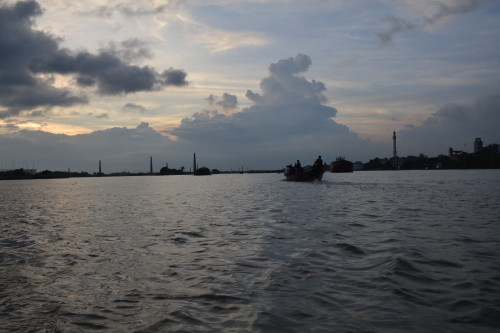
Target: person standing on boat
318,167
289,170
318,164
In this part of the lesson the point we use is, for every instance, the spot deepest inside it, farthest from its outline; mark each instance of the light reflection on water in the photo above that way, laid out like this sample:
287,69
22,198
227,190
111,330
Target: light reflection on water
368,251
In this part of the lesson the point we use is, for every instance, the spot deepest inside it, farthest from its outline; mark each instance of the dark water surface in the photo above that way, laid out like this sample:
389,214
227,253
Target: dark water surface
409,251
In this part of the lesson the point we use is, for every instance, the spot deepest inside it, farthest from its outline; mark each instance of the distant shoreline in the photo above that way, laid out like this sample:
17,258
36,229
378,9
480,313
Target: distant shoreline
20,174
15,175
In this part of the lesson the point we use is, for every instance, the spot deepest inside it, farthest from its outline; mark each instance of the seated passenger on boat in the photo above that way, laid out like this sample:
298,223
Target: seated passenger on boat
289,170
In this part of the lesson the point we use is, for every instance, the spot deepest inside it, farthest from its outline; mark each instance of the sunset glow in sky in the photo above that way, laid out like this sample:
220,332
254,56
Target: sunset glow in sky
255,83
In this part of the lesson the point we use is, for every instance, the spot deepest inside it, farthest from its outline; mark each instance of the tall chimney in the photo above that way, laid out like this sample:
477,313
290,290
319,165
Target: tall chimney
194,163
151,165
394,151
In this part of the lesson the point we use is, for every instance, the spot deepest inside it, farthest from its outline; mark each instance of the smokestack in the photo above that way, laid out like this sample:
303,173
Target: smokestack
151,165
394,151
194,163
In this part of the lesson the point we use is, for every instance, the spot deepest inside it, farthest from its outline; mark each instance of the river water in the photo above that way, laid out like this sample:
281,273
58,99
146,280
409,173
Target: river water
405,251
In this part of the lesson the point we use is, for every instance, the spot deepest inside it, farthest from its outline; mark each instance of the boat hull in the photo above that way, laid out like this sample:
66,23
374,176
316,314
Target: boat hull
305,177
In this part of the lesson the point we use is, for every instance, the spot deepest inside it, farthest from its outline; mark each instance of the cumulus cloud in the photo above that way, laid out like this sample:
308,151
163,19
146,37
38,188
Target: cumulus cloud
289,118
29,58
228,104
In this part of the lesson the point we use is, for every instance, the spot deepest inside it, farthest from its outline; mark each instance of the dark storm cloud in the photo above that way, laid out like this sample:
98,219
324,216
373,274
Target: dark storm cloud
19,43
173,77
397,26
26,53
107,71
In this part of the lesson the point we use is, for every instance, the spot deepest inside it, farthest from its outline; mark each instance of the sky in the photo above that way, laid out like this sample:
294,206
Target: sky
256,84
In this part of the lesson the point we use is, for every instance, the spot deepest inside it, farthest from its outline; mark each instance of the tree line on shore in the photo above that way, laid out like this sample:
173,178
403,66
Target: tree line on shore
487,158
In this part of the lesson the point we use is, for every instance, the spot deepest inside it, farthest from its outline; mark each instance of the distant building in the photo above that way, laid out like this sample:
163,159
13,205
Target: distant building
478,145
454,153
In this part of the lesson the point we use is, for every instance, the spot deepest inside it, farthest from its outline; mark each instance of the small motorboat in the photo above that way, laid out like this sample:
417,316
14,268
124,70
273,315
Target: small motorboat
307,174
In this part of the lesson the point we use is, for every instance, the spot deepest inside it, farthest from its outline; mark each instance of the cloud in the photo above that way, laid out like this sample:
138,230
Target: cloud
173,77
130,50
132,107
221,40
134,9
102,116
8,127
119,149
228,104
397,25
431,12
107,71
449,9
455,125
289,118
29,59
21,90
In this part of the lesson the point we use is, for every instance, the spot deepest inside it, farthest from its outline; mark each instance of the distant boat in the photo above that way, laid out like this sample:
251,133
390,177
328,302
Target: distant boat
341,165
308,174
